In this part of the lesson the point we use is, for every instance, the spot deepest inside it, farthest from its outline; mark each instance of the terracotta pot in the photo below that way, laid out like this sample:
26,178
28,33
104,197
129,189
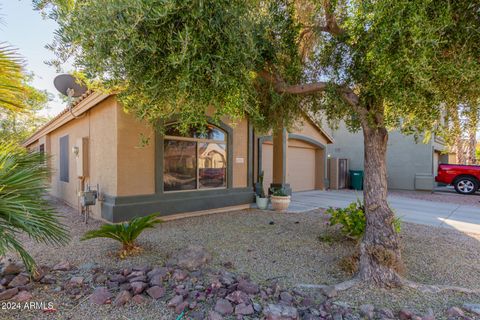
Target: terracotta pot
280,203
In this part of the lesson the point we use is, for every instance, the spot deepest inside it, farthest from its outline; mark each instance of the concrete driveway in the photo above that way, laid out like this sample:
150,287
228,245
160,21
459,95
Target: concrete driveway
439,214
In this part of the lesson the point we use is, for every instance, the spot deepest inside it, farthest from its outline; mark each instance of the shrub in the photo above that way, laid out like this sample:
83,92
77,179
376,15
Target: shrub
23,206
352,220
279,192
126,233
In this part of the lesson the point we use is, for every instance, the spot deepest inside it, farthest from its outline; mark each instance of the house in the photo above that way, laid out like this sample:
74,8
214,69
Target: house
94,143
411,164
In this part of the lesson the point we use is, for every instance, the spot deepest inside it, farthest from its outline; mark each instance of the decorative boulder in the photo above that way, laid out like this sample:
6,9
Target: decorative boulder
191,258
101,295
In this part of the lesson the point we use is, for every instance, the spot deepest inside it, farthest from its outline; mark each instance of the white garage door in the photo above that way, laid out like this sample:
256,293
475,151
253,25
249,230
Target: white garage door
301,167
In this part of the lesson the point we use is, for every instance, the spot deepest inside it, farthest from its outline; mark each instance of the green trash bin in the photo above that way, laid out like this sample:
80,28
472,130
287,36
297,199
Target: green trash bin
356,179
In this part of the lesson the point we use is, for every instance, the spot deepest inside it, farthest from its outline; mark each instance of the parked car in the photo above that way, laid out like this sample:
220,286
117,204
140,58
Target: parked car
465,179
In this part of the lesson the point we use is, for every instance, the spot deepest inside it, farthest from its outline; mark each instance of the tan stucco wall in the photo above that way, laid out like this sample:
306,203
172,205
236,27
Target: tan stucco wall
98,127
240,154
306,128
136,161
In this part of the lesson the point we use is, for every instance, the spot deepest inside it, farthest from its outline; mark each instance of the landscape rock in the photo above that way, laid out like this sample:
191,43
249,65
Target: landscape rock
223,307
179,309
19,280
212,315
118,278
156,292
455,312
238,297
101,295
138,299
139,278
180,275
114,285
138,287
76,281
244,309
40,273
280,312
161,271
23,296
12,268
122,298
62,266
156,280
473,308
6,279
191,258
175,301
286,298
8,294
248,287
48,279
329,291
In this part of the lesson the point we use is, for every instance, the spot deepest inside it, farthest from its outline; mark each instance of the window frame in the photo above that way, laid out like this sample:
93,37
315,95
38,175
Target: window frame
198,141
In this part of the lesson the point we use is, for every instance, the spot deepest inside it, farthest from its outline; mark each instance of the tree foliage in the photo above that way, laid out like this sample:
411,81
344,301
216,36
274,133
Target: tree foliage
18,125
183,58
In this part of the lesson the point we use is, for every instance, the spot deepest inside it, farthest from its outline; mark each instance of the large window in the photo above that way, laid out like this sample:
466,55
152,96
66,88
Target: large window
197,160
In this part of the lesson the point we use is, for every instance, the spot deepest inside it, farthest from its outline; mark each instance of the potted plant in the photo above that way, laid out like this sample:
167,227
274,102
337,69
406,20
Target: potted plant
261,199
280,200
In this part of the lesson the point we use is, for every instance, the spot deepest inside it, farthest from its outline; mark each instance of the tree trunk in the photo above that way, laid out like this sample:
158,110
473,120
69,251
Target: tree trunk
380,257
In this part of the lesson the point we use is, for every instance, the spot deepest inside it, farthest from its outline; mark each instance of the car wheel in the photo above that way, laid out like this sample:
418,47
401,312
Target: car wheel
466,185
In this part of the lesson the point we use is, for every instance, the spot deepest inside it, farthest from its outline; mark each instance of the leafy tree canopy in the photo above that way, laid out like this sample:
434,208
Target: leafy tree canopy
401,60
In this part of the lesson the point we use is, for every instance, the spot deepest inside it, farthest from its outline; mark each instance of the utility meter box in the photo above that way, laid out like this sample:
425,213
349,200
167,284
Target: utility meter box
81,157
88,198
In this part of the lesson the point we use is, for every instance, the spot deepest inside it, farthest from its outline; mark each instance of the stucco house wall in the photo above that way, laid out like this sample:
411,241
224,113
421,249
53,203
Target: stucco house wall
97,126
130,173
410,163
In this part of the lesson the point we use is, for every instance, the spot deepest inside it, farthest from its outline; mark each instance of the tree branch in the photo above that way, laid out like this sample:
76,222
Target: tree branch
332,26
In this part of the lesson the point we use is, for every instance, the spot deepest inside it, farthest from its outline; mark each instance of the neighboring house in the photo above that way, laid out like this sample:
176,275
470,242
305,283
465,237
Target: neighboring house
411,165
96,143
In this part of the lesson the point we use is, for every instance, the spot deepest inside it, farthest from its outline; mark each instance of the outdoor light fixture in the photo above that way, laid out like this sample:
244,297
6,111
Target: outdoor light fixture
75,150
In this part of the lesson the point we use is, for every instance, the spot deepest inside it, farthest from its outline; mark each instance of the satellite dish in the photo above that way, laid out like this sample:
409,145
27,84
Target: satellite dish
68,86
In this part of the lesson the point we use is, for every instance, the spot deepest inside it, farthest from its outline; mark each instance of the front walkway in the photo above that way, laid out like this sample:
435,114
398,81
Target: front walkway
465,218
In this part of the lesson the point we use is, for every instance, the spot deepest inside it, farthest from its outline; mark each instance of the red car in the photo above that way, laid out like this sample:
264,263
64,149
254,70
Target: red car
465,179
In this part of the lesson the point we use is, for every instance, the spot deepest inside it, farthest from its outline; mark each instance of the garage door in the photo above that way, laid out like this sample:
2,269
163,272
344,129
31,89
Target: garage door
301,170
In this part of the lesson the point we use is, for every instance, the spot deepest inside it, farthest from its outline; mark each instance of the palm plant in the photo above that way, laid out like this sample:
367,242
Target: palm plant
12,89
126,233
23,206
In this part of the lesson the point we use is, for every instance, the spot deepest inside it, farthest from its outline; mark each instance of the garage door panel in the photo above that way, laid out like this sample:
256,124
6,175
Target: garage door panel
301,168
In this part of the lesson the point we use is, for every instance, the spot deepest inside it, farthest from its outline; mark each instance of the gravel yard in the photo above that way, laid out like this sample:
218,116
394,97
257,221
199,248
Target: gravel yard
269,245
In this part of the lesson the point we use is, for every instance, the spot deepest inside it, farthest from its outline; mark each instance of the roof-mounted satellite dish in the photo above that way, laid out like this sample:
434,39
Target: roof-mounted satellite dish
68,86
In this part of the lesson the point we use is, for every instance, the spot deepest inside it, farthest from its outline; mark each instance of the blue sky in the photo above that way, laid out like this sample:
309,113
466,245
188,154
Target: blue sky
26,30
